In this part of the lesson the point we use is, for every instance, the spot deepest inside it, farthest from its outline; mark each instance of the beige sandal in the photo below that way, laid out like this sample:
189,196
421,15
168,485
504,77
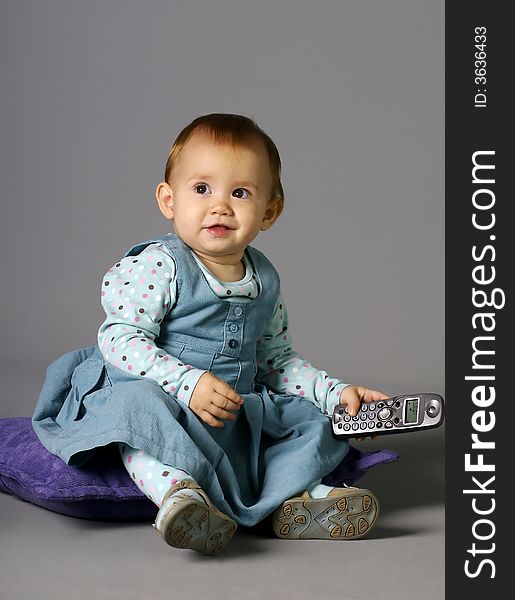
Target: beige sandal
345,513
189,523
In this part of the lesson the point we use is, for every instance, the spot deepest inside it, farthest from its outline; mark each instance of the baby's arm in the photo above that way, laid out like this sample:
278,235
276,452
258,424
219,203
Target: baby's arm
283,370
136,295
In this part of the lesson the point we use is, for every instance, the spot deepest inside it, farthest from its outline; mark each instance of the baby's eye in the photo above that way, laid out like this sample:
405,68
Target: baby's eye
238,195
201,188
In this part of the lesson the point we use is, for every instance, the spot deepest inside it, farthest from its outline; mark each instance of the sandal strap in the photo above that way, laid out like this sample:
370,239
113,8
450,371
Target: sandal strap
184,483
192,485
304,496
340,491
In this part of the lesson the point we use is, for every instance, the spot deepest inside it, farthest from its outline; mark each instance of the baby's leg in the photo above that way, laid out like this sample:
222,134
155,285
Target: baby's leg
186,517
152,477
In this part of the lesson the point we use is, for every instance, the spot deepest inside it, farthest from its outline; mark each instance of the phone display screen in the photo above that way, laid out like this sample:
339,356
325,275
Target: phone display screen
411,410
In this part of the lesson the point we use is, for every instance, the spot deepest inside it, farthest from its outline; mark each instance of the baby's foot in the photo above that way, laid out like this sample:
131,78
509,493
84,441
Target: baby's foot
344,514
188,519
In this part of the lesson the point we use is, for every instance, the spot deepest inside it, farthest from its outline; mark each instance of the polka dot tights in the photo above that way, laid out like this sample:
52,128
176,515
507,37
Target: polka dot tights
151,476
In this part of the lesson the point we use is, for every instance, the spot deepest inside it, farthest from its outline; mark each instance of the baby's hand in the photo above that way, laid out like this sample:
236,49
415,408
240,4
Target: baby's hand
214,398
353,395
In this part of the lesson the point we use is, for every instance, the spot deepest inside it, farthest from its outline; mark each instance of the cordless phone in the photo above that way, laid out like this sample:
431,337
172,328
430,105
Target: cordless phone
399,414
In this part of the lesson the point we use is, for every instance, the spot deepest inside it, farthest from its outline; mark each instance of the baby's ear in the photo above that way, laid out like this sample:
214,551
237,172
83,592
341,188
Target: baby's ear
164,197
272,213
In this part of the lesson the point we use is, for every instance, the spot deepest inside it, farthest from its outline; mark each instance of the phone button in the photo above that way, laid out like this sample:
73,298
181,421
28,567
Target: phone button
432,409
388,425
384,413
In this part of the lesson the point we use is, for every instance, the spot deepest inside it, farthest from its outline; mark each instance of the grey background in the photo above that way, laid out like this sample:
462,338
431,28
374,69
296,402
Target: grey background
93,94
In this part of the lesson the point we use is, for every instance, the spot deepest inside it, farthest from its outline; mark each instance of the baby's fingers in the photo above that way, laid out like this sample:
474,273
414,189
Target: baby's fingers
353,405
221,406
216,411
368,395
208,418
229,398
364,437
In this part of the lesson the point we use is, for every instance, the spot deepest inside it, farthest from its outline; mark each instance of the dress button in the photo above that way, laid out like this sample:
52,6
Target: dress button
233,343
233,327
238,310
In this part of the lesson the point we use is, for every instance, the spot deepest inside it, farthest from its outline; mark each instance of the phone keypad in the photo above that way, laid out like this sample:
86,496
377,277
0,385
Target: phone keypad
371,416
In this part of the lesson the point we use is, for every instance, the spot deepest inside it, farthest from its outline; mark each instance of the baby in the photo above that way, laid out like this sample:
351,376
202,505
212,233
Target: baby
217,419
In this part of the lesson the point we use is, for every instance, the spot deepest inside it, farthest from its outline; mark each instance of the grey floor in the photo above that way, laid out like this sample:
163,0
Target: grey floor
48,555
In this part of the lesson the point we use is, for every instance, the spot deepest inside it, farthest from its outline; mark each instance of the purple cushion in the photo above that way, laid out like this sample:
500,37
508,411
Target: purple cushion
102,489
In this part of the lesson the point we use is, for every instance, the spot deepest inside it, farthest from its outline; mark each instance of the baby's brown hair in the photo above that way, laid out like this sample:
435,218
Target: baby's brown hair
228,128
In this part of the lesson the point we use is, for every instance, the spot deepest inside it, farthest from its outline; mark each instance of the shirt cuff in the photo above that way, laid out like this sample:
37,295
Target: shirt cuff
187,385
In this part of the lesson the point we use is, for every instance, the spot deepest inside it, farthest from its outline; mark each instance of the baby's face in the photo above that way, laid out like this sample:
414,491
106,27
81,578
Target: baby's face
219,198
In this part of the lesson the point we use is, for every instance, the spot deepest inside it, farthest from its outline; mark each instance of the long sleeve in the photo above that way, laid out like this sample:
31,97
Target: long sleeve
283,370
137,293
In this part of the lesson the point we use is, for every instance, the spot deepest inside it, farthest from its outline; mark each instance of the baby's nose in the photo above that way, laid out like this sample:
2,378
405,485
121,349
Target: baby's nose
221,205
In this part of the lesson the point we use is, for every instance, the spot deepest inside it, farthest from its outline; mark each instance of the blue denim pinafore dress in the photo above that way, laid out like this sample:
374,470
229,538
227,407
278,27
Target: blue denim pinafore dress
276,447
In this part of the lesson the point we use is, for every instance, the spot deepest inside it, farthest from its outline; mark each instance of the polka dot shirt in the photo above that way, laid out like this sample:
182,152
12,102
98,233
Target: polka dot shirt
139,291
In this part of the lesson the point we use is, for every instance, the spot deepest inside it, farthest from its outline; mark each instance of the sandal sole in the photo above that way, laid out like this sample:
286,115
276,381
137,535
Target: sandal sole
348,516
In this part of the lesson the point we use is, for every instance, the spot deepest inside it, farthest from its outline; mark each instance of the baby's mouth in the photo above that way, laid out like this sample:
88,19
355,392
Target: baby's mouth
218,229
219,226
